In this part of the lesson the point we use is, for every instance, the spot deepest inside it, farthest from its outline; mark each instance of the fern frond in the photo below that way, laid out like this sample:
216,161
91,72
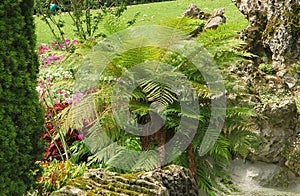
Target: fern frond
147,160
104,154
243,142
156,91
221,150
185,24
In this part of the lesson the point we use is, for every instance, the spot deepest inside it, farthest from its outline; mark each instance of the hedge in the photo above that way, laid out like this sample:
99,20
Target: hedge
21,118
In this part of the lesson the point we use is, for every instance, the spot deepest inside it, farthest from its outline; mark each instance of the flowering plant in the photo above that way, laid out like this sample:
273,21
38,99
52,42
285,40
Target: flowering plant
55,81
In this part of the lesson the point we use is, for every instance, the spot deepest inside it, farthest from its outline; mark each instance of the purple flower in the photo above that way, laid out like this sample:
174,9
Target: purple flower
68,100
77,97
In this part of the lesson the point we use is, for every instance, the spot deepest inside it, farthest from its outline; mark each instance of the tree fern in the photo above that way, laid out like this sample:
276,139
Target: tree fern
129,61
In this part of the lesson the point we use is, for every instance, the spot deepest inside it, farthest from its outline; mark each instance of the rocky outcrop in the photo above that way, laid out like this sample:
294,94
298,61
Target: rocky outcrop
274,35
278,122
171,180
278,127
274,29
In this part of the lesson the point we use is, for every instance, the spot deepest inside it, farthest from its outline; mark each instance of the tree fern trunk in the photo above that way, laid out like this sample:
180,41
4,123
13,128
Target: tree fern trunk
192,162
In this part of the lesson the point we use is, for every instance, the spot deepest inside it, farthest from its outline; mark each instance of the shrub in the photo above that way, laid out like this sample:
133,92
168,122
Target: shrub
56,173
21,117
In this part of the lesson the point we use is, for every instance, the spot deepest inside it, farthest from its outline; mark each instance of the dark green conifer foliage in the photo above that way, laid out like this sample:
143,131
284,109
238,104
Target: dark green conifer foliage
21,117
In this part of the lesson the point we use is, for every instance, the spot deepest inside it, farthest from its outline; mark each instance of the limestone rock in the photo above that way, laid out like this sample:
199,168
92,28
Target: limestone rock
69,191
274,29
177,180
278,128
216,19
171,180
194,12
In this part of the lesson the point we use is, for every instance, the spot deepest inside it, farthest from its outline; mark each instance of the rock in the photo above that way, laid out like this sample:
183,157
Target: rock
293,154
216,19
277,129
69,191
177,180
274,29
171,180
259,178
254,174
194,12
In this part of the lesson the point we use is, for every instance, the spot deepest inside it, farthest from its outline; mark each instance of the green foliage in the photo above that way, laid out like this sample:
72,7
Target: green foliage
55,24
267,68
112,23
295,68
152,13
21,117
237,137
238,129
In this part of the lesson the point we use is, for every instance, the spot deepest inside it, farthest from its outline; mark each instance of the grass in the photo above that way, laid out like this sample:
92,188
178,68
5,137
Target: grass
152,13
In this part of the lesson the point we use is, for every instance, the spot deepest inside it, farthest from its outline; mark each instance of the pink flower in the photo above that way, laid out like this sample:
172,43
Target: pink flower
39,89
80,137
77,97
60,92
61,46
41,49
76,41
68,41
53,44
48,79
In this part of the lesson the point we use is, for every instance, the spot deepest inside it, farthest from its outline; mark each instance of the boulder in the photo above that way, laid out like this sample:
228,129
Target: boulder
171,180
194,12
216,19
